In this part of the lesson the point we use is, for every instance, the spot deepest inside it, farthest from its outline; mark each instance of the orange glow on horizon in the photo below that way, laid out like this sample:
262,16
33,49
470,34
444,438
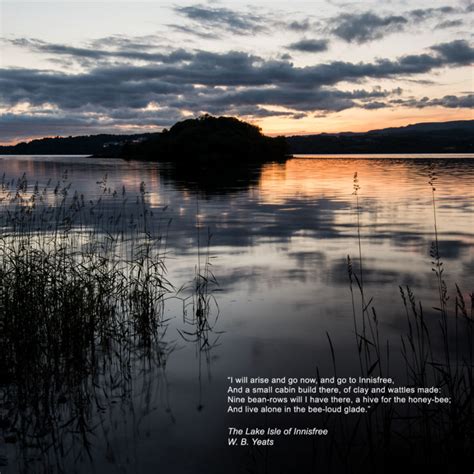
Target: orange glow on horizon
351,120
16,141
360,121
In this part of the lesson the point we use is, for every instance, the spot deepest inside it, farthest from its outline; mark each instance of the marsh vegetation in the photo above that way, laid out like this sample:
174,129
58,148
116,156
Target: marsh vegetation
83,284
435,349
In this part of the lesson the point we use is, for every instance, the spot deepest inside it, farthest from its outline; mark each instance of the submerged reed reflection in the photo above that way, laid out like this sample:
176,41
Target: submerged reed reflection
81,315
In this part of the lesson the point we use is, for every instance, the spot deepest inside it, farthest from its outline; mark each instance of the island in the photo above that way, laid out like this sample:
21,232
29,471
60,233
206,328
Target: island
205,139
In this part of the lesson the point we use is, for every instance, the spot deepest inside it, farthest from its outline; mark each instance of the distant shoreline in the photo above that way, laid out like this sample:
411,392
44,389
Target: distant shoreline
302,156
456,137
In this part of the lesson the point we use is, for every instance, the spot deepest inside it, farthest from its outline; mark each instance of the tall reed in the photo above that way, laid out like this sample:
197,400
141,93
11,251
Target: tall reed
82,288
442,434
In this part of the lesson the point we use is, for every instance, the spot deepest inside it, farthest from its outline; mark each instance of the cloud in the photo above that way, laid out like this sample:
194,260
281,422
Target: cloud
449,24
15,126
97,54
359,27
143,42
233,82
368,26
448,101
322,99
458,52
374,105
240,23
179,71
427,13
18,126
211,22
309,45
299,25
363,27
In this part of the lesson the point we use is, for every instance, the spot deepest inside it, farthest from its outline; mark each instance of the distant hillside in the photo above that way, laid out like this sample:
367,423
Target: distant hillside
83,145
436,137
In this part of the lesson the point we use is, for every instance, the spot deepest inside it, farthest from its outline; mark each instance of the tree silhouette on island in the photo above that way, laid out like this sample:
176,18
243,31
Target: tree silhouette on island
206,139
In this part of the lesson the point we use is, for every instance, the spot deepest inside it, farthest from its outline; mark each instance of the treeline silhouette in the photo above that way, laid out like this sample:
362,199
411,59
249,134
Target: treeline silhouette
207,139
437,137
210,139
82,145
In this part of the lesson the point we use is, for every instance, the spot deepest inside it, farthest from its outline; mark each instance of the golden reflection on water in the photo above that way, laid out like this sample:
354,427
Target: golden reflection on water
392,192
378,178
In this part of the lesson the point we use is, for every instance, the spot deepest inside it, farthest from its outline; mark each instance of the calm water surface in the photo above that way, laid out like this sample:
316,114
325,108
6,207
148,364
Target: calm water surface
280,238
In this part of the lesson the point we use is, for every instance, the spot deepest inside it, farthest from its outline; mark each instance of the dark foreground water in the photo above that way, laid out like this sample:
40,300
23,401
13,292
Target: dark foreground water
278,236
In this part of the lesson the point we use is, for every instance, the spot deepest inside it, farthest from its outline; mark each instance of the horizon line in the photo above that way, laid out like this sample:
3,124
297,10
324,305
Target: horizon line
274,134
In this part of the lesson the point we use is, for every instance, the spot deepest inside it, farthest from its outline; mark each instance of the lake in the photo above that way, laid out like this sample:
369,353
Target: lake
276,237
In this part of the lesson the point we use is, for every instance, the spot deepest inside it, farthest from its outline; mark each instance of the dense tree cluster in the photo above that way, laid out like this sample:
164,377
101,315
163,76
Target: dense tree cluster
208,139
83,145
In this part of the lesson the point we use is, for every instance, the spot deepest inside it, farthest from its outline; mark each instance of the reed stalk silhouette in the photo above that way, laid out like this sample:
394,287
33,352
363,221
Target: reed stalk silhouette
82,288
443,434
200,308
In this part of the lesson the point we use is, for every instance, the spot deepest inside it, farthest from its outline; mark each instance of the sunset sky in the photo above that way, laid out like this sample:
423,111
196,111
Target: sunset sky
72,68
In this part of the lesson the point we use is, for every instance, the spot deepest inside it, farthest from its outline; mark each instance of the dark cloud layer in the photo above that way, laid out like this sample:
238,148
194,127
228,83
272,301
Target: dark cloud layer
310,45
223,19
368,26
98,54
426,13
180,71
364,27
458,51
448,101
126,86
449,24
359,27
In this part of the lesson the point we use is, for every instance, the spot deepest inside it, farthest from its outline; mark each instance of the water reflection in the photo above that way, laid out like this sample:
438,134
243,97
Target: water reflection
281,234
208,182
